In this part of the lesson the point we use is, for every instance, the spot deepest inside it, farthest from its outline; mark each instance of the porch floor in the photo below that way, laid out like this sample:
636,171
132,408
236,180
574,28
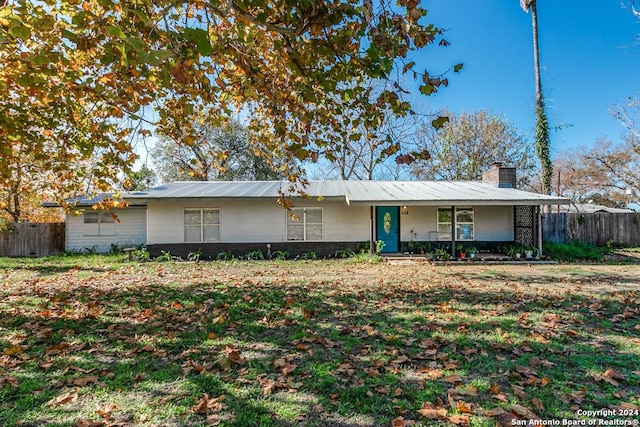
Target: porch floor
482,258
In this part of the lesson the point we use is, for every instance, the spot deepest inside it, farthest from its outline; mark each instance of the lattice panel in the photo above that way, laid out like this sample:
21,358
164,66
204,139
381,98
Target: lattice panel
525,225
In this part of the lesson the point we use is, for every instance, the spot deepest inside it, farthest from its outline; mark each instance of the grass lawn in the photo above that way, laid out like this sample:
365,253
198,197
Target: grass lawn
97,341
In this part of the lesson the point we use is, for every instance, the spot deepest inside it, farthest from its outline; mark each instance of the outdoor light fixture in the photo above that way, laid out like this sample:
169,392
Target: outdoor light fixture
404,211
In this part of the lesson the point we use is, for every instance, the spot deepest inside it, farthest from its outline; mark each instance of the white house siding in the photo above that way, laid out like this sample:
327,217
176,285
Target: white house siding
130,231
254,220
491,223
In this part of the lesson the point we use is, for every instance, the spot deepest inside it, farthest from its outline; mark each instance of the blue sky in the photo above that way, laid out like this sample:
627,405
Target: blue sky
588,60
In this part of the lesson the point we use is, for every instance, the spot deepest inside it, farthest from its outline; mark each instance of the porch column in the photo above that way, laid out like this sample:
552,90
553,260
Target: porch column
372,243
538,215
453,231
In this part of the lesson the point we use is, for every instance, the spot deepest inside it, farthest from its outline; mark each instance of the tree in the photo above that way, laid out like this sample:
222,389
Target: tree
541,133
629,115
362,154
78,77
468,144
140,180
610,170
217,153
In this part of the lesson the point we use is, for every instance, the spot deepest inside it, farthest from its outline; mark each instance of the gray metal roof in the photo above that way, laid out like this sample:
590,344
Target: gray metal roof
431,193
357,192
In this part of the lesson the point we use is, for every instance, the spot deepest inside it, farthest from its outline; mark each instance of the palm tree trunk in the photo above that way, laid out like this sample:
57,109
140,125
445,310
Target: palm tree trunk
536,52
542,140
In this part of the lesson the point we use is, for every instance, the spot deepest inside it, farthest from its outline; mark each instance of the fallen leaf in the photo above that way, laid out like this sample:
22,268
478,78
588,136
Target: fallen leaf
467,390
63,399
84,422
494,412
106,410
537,403
464,407
431,412
523,411
398,422
459,420
208,404
13,350
612,373
453,379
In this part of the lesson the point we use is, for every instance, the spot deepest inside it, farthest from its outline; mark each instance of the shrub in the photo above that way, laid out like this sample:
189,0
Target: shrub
280,255
225,256
166,256
308,255
575,251
344,253
257,254
141,255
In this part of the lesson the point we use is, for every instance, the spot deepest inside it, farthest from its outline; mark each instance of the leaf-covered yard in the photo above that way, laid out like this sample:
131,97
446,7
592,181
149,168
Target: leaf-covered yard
96,341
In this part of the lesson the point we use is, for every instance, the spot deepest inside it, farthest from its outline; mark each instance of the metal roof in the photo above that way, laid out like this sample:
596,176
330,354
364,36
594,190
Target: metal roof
357,192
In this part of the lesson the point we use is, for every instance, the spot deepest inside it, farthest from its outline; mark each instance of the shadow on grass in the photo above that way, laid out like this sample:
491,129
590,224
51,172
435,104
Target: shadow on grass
300,353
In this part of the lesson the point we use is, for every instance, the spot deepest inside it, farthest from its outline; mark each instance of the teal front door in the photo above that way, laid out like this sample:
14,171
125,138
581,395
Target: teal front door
388,227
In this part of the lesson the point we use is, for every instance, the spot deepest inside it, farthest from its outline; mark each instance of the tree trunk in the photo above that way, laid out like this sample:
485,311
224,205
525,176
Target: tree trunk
542,140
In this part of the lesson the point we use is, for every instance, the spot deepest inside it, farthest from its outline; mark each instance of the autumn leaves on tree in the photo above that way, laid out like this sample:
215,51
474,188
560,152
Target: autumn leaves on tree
81,80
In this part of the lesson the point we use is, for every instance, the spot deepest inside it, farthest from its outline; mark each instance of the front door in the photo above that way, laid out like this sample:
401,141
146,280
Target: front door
388,227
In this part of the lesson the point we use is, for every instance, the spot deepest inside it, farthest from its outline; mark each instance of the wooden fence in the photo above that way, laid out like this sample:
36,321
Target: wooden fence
29,239
597,228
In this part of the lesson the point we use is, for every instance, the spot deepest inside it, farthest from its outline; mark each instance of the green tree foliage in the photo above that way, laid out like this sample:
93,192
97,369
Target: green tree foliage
78,76
140,180
217,153
468,144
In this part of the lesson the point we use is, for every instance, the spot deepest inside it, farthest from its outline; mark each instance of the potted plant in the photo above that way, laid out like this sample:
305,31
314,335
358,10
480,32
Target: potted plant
514,251
411,245
528,252
425,248
461,252
472,251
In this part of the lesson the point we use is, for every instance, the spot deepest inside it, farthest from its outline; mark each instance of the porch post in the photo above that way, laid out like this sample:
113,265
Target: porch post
453,231
372,244
538,215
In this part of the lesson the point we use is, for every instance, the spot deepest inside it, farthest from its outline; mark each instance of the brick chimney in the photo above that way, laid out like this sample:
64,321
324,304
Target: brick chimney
500,176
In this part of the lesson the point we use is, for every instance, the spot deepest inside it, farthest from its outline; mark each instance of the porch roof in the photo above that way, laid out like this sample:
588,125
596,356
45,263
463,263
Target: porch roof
431,193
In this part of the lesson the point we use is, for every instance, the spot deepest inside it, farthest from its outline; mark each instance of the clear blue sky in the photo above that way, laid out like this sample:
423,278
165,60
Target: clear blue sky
588,60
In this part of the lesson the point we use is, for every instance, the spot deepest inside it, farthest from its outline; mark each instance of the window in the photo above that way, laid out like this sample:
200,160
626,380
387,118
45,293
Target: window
464,223
444,223
304,224
98,223
201,225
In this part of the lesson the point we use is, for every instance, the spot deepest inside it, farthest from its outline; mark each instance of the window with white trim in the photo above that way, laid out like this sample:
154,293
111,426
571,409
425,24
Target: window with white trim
444,224
304,224
464,224
201,225
98,223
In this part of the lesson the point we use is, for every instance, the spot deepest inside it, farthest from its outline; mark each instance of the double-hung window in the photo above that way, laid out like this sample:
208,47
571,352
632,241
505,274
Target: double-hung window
201,225
98,223
464,223
304,224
